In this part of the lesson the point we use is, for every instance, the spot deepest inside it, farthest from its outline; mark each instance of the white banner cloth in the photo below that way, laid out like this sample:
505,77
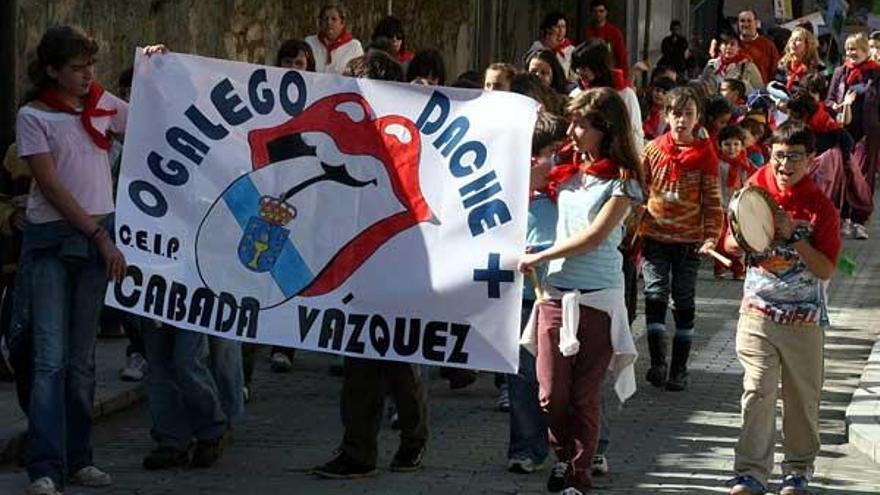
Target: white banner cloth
342,215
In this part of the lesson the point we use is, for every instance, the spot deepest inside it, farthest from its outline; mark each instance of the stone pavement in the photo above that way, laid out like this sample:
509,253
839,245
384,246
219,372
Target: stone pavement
663,442
112,395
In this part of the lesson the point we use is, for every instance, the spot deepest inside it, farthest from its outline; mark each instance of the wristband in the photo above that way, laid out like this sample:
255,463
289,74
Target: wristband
796,235
96,233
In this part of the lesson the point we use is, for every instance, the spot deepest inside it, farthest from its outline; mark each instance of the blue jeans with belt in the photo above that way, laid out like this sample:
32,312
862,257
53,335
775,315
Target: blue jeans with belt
528,423
64,281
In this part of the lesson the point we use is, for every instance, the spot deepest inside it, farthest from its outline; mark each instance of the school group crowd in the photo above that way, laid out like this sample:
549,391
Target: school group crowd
626,180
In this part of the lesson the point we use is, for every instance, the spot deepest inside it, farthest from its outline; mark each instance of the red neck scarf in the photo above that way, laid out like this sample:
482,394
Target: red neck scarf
568,165
604,168
796,73
766,179
53,100
737,165
560,48
724,63
821,121
344,37
857,72
699,155
405,56
654,123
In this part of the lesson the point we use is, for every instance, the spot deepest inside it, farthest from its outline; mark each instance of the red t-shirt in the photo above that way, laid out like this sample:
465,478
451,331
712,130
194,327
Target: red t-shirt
612,35
764,54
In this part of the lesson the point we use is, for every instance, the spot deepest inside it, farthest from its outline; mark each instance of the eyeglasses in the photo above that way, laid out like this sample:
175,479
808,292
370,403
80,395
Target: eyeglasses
793,156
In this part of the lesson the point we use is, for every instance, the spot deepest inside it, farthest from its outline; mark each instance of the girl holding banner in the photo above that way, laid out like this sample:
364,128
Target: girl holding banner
585,285
68,253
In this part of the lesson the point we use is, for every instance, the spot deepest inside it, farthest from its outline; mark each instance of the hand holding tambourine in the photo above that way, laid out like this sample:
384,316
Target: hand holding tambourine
757,222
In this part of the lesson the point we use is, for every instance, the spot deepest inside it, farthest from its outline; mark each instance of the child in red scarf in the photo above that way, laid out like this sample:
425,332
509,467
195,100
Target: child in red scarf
683,219
782,317
63,133
655,122
829,133
735,167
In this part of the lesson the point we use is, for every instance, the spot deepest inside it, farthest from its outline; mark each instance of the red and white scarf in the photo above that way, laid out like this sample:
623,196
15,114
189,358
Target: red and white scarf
52,99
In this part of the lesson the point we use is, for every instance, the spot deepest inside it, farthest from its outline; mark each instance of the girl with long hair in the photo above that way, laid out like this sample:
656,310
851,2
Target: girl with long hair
63,132
581,325
801,58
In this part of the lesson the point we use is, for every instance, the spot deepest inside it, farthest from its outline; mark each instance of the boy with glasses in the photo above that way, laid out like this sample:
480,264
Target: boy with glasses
782,318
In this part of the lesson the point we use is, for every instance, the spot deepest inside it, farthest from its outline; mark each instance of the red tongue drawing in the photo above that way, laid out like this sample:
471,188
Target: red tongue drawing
378,138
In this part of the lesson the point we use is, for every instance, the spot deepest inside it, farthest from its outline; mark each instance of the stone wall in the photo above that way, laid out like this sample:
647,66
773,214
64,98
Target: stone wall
468,32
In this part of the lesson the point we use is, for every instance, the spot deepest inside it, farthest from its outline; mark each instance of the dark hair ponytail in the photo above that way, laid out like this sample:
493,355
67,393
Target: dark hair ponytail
58,46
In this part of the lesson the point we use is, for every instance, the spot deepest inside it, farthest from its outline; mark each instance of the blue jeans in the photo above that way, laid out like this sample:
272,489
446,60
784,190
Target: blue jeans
181,391
669,268
228,374
64,281
528,423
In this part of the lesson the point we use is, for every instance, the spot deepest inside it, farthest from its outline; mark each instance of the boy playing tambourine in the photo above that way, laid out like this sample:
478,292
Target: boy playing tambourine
782,320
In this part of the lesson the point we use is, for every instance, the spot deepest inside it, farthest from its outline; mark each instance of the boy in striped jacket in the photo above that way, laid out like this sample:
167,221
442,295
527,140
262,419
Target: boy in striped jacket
683,219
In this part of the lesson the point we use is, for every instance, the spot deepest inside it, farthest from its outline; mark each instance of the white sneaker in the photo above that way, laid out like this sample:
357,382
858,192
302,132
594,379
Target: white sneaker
281,363
859,231
135,367
43,486
524,466
572,491
846,229
599,466
91,476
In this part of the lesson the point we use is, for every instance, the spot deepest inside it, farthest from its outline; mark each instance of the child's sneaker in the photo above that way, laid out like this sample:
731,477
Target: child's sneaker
524,466
794,484
280,363
91,476
135,367
846,229
599,466
556,481
859,231
745,485
43,486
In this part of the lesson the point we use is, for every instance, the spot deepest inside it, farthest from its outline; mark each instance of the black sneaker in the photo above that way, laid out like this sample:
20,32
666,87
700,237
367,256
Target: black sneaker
207,452
165,458
407,460
678,381
343,467
556,482
656,375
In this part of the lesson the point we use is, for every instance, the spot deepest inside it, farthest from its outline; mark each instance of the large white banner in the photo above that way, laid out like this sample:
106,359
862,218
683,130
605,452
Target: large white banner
341,215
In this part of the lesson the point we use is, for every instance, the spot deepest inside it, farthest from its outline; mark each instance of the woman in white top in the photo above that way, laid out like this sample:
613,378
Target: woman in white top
592,62
553,31
333,46
68,253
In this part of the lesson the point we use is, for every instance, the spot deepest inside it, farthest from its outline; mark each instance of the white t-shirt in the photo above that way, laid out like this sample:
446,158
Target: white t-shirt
81,166
338,57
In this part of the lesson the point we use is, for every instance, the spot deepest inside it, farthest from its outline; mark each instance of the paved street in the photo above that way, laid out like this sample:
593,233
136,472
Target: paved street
663,442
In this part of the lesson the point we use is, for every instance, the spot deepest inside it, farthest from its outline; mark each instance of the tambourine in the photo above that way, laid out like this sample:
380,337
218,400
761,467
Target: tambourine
752,213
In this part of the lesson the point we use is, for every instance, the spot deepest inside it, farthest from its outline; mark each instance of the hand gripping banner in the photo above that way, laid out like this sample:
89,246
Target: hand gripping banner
350,216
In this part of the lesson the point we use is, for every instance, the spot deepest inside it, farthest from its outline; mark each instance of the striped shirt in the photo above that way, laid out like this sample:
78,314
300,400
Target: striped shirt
687,209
